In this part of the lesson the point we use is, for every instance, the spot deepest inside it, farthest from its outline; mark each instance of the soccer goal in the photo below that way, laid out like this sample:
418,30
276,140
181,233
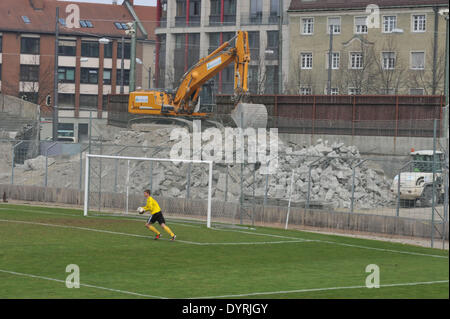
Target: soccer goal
114,185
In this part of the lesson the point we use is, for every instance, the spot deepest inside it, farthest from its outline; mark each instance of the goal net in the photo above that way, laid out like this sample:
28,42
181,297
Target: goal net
114,185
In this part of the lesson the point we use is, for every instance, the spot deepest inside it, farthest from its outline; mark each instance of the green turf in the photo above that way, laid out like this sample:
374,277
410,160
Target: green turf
234,263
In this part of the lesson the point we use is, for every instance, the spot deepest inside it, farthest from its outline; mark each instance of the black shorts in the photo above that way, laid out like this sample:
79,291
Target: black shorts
156,217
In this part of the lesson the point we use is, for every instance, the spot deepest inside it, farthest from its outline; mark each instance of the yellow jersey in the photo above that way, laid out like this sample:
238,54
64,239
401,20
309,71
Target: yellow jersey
152,206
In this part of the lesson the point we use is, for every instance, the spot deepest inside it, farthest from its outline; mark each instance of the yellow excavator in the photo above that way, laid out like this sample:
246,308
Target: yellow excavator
184,101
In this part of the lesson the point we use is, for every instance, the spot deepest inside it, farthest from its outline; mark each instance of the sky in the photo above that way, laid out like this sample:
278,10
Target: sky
138,2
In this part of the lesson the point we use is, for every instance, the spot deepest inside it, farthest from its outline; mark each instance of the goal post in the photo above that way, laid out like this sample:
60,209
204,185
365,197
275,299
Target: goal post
115,184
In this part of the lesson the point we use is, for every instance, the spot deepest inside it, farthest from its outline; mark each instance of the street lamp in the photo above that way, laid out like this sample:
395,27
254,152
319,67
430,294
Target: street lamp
149,71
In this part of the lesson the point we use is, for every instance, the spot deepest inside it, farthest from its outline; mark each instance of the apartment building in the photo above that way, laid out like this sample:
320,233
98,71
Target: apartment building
190,29
88,69
378,47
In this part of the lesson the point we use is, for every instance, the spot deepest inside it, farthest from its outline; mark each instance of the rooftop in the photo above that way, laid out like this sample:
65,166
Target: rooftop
324,5
38,16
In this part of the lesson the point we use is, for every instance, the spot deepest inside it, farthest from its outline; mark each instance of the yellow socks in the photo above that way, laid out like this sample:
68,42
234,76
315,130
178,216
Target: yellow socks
167,229
153,229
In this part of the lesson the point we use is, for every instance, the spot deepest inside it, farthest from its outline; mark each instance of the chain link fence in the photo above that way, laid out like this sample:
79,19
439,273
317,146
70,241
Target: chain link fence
319,177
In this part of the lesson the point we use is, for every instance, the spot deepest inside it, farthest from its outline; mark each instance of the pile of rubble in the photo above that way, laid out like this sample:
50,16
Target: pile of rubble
324,171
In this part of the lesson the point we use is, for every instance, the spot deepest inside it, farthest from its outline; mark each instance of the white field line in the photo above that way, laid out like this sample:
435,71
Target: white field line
144,236
340,244
321,289
277,236
81,284
98,217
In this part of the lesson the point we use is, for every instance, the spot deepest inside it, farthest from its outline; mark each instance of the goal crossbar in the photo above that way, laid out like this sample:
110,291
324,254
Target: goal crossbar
87,171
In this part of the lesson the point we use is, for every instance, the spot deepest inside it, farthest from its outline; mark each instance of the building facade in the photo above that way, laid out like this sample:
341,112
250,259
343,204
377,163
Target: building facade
190,29
393,47
88,69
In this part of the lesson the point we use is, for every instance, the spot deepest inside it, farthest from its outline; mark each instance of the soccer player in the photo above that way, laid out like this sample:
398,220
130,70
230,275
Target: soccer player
157,216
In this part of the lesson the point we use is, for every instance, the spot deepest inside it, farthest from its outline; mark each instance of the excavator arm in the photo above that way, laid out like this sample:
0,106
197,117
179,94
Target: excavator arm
187,93
184,100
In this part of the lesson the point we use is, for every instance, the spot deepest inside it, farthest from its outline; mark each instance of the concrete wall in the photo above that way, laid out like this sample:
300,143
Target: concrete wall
262,215
367,145
18,107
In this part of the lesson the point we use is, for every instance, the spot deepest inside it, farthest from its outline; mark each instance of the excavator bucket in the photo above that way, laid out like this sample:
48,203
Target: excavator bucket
250,115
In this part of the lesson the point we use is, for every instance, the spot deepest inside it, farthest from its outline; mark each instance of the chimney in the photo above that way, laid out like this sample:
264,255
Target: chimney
114,2
131,2
37,4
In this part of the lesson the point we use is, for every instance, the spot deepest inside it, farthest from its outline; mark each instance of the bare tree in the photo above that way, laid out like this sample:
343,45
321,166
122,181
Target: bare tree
301,79
357,66
389,68
423,78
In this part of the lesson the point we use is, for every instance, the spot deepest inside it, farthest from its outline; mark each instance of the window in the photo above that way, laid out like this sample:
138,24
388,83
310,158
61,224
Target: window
67,48
333,91
126,77
215,7
29,73
335,24
389,23
417,60
354,91
32,97
88,101
307,26
305,90
26,20
361,25
0,72
417,91
1,46
66,100
127,50
388,60
107,53
181,8
89,76
121,26
229,7
107,76
86,24
271,83
335,60
274,7
419,23
89,49
306,60
66,75
356,60
272,39
388,91
29,45
255,11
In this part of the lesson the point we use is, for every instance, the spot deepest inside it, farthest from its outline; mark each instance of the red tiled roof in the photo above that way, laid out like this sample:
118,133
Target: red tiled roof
147,15
300,5
102,17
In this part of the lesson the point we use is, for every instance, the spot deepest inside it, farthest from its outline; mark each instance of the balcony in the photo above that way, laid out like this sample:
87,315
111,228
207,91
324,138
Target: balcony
262,18
194,21
230,19
180,21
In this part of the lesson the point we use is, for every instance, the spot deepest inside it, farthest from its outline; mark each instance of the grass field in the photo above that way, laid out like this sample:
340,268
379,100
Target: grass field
118,258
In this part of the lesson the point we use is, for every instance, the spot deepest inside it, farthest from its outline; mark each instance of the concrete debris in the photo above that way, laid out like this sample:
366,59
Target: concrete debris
323,171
